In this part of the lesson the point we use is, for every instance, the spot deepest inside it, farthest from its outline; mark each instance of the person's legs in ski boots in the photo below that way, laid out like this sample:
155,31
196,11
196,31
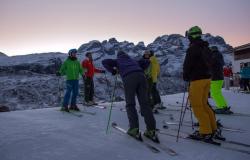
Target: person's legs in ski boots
146,109
87,86
92,92
89,91
216,94
221,104
67,95
156,97
75,91
151,95
197,91
130,86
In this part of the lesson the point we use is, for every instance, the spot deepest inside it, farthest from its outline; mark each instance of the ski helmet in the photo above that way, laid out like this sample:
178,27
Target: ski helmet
72,51
194,32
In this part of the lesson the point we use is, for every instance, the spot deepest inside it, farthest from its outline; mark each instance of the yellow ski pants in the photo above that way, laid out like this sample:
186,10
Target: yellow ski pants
198,96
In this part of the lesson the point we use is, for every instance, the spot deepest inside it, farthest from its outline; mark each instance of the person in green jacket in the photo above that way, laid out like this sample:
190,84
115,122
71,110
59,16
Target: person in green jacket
72,69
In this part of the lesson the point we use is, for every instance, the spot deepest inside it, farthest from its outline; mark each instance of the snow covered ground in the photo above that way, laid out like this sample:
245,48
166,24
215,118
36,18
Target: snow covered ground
48,134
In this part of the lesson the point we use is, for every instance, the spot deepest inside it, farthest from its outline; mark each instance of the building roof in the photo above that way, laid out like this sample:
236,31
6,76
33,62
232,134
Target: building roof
242,47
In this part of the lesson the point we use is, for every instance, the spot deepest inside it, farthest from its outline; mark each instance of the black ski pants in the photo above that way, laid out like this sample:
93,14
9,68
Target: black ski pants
88,89
135,85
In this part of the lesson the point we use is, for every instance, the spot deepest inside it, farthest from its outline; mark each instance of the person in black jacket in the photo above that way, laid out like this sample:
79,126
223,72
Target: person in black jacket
217,82
197,71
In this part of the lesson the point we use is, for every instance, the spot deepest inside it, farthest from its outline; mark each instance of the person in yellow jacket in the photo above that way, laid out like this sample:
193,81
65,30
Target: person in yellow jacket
152,73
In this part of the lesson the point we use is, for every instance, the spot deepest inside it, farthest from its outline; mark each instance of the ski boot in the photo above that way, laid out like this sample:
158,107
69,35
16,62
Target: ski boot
155,111
88,104
160,106
134,132
208,138
151,134
93,103
219,124
217,135
64,109
74,108
225,110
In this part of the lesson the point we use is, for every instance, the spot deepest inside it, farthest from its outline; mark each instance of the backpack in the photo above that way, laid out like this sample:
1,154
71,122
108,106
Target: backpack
207,56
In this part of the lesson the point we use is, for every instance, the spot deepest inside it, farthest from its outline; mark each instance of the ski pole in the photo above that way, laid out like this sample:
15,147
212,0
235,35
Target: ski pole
107,85
83,97
186,107
192,120
182,105
59,90
111,105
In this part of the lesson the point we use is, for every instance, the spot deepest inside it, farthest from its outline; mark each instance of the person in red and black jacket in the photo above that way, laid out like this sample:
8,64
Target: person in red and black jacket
227,71
88,78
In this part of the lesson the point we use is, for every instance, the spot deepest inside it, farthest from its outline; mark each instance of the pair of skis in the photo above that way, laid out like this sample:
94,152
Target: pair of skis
158,113
148,143
228,145
190,125
79,113
73,113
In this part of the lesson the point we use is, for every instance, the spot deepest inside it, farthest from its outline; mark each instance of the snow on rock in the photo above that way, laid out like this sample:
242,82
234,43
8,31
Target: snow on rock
169,49
52,135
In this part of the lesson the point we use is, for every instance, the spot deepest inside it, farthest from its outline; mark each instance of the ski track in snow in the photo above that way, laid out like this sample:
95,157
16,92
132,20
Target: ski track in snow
48,134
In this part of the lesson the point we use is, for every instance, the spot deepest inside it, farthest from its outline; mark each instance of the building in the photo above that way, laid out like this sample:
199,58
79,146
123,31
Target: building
241,55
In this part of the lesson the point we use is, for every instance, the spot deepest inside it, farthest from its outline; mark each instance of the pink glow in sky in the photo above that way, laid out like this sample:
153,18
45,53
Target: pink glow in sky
32,26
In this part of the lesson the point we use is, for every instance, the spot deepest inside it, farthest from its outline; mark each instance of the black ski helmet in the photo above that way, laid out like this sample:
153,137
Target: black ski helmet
72,51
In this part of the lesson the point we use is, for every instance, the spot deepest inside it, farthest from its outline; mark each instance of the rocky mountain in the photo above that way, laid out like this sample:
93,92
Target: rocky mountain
2,54
29,81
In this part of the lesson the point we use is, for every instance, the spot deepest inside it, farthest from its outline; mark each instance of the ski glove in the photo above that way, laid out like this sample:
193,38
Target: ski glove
114,72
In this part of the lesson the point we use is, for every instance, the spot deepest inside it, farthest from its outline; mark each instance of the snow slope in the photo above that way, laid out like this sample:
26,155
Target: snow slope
47,134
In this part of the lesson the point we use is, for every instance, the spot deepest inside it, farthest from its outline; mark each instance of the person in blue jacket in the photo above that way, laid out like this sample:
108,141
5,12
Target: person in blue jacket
132,74
245,76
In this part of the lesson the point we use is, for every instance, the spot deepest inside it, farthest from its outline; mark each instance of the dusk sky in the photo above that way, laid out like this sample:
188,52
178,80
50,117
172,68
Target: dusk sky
35,26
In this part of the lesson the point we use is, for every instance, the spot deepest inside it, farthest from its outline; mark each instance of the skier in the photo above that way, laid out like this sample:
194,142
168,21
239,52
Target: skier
240,75
152,74
217,82
88,79
134,85
197,71
245,76
72,69
227,70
